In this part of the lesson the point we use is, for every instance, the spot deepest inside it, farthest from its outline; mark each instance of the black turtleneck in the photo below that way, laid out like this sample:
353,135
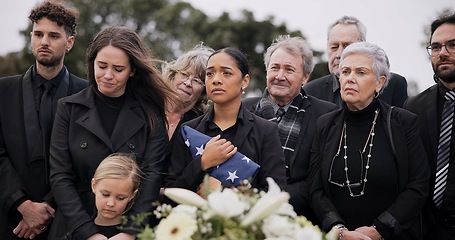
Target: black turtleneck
109,109
381,187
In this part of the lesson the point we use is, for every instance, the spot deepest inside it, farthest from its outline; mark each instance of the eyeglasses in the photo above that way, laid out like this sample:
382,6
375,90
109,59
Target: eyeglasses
435,48
194,81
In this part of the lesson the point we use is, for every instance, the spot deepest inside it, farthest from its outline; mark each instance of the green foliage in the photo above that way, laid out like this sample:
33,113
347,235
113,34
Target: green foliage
169,27
320,69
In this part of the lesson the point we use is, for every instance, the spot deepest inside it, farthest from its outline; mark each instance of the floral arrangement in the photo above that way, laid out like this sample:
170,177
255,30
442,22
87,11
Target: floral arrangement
232,213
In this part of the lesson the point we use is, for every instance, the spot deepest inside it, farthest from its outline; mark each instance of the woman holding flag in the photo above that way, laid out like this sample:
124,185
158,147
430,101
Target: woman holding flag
238,145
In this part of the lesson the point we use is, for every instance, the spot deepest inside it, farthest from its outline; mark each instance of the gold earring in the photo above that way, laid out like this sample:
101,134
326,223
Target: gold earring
243,91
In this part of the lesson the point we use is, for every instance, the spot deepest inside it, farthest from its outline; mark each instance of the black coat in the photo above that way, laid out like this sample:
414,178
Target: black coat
79,143
413,170
298,165
23,174
256,138
425,106
395,93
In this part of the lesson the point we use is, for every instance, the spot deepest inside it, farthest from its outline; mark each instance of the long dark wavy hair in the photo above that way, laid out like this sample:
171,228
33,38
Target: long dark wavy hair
146,85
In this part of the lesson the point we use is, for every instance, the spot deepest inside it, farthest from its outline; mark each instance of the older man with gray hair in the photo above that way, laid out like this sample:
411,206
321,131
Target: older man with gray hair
342,33
289,63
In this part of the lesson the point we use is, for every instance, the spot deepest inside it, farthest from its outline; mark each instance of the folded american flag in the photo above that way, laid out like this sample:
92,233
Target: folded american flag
230,173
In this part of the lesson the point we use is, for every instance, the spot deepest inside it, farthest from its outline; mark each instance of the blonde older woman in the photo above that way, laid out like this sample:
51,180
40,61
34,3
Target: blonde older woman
187,74
369,174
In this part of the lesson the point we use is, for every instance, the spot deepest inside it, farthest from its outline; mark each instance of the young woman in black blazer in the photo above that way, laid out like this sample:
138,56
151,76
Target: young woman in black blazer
232,128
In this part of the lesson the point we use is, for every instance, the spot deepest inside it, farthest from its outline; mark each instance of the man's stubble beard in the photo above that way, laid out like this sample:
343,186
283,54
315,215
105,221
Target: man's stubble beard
447,76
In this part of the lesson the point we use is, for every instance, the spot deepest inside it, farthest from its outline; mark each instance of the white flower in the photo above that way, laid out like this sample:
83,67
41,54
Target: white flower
286,209
229,214
184,196
266,205
182,208
177,226
277,226
226,203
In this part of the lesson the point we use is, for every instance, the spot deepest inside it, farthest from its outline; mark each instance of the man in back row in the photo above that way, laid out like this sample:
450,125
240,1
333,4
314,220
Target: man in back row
342,33
435,108
27,108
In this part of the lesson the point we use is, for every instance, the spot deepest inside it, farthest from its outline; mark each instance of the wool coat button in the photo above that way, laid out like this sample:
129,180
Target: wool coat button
83,144
131,146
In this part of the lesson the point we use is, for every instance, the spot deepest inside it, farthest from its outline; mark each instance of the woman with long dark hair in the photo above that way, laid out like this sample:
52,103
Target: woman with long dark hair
122,111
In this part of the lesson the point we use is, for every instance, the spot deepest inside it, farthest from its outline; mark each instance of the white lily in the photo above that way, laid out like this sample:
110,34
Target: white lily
286,210
226,203
266,205
184,196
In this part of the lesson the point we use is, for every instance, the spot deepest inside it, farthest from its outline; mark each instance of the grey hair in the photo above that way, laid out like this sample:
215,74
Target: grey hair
347,20
197,59
294,45
380,66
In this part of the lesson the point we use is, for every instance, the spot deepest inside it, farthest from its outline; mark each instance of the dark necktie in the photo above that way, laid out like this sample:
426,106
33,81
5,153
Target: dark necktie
279,114
445,133
45,114
45,110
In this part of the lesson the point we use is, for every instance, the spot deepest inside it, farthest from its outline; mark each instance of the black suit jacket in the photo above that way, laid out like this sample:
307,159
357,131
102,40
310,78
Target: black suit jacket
256,138
297,185
79,143
425,106
23,171
395,93
412,167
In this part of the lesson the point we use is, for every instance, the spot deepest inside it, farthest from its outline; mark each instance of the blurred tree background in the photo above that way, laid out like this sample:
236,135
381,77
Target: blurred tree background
170,28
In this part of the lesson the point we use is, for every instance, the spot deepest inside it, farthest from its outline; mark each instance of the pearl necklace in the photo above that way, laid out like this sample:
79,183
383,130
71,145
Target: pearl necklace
363,179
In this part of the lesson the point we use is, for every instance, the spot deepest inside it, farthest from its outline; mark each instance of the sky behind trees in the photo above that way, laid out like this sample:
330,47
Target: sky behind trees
397,26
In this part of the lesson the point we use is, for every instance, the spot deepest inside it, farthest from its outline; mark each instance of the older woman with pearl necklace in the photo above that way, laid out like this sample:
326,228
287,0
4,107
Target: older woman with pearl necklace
369,173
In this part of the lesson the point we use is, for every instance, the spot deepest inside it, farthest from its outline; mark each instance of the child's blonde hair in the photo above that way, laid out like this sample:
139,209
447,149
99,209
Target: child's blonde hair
118,166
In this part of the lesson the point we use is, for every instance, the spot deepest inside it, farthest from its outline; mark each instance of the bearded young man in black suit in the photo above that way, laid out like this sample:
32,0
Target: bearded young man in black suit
438,218
342,33
25,197
289,63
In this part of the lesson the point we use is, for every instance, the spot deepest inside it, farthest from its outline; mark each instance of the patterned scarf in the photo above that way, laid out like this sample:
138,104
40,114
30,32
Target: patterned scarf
289,126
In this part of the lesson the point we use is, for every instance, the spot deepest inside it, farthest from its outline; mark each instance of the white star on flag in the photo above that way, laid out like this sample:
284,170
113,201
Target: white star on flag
232,176
229,173
200,150
246,159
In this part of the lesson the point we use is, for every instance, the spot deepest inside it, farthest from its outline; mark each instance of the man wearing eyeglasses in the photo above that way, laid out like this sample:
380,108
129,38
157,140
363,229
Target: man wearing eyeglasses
342,33
435,108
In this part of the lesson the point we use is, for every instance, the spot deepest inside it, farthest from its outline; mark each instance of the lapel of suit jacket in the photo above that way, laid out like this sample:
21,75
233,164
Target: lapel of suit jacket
306,104
91,120
432,120
31,121
62,90
331,84
332,143
244,128
128,123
